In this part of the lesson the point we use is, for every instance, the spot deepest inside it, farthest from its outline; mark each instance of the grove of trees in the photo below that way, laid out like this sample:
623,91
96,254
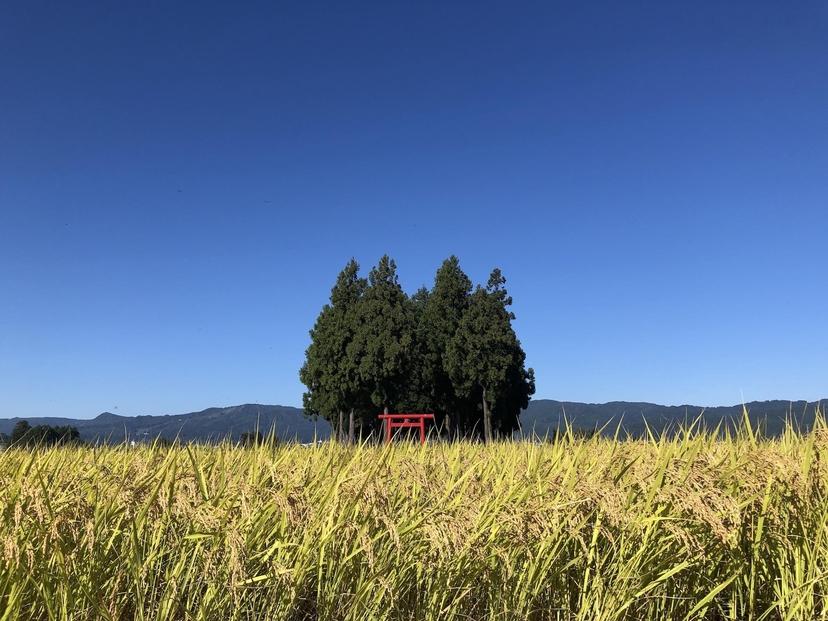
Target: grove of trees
24,435
450,350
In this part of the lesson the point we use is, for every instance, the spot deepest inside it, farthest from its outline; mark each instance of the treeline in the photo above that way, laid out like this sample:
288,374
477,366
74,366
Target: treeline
450,350
23,435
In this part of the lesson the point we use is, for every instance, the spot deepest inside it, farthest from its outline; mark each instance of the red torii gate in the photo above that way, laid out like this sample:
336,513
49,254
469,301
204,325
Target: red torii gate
398,421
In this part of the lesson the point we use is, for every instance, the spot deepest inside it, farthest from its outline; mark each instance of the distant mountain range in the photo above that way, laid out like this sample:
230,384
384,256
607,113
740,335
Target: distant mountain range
208,425
542,417
545,416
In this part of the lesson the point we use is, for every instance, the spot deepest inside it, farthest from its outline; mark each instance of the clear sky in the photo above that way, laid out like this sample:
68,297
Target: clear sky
180,184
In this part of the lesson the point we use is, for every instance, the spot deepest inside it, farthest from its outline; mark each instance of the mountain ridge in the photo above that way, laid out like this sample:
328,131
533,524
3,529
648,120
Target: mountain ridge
635,417
542,417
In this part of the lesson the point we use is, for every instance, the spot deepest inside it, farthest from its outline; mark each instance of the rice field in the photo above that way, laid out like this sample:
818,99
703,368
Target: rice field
697,526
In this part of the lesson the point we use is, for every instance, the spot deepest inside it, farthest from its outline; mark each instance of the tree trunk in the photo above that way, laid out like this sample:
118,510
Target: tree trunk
487,420
447,425
340,430
351,427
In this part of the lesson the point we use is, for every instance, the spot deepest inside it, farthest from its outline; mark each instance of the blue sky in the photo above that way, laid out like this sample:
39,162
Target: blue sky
179,186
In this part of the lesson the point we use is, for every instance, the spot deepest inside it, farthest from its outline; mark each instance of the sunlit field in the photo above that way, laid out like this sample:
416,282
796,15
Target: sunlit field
690,527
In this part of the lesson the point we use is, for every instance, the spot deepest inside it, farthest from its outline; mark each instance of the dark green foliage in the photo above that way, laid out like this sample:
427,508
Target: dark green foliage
24,435
20,432
383,342
418,394
251,438
447,351
485,360
331,369
438,322
514,393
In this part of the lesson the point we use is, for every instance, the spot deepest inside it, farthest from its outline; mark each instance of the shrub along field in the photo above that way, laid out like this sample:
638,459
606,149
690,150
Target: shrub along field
693,527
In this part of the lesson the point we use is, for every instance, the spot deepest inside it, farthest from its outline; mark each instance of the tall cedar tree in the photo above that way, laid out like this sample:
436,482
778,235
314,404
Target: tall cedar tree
438,322
329,372
520,381
382,346
485,360
417,396
20,432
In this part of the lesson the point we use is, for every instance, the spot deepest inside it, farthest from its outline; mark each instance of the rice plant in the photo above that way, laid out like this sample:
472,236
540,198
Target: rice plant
697,525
